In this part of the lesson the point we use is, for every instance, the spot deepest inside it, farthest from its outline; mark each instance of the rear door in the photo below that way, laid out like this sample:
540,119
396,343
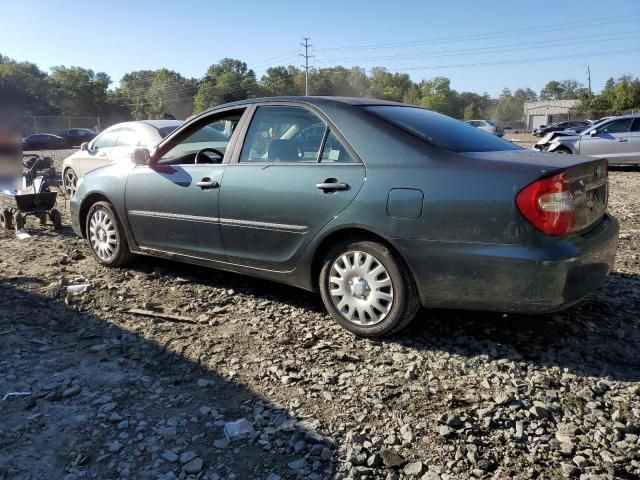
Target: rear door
284,185
610,140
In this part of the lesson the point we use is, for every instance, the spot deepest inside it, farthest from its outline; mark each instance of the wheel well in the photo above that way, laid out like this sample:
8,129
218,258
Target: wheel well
563,148
84,209
339,236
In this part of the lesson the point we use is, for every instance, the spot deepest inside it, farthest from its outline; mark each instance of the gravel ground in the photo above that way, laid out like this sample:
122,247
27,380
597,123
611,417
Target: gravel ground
113,394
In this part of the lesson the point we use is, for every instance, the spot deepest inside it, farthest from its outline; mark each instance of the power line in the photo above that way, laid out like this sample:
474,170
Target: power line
526,60
306,57
478,36
494,48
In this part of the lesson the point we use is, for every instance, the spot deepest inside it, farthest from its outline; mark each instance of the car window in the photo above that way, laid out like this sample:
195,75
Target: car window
283,134
616,126
164,131
440,130
128,137
334,151
106,140
636,125
216,135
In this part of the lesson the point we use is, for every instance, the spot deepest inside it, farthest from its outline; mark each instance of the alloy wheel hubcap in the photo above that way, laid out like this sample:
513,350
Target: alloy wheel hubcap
103,236
360,288
71,182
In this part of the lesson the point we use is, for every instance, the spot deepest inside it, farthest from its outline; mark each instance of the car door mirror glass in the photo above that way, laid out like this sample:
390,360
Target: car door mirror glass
140,156
593,132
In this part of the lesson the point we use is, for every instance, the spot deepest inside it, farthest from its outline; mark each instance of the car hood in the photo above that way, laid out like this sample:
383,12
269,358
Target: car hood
539,160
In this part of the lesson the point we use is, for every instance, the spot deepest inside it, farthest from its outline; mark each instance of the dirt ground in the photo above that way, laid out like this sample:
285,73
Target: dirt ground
105,393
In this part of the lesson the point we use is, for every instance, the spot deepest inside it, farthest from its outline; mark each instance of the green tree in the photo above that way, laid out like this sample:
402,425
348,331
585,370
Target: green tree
438,96
227,81
79,91
170,93
133,92
25,85
388,86
279,81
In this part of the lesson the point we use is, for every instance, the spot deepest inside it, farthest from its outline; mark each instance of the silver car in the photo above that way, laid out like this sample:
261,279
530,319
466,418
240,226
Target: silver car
112,145
486,125
617,139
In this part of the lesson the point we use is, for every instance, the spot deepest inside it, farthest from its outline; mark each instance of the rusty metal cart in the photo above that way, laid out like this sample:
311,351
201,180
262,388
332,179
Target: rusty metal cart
35,199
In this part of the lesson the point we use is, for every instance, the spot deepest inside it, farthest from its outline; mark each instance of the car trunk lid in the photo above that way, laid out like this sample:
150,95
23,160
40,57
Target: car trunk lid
587,178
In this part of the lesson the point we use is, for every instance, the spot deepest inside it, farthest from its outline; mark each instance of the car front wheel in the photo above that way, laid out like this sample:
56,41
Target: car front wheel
367,289
106,236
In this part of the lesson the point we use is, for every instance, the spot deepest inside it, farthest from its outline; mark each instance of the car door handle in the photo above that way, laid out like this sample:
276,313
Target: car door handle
621,139
206,184
331,185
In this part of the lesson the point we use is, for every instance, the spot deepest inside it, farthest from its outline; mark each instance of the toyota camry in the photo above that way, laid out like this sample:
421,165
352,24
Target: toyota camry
379,206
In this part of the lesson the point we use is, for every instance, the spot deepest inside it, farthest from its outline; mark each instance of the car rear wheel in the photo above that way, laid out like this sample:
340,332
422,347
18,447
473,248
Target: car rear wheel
70,180
367,289
106,237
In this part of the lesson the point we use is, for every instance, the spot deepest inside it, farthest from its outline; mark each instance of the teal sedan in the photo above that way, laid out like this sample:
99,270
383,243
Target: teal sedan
379,206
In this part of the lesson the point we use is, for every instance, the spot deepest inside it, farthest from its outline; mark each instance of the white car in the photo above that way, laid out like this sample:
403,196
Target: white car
487,126
115,144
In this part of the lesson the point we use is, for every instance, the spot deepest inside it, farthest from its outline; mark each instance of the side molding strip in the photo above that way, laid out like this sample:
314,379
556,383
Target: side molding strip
279,227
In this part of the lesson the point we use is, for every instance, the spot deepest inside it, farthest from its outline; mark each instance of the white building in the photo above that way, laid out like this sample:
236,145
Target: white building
545,112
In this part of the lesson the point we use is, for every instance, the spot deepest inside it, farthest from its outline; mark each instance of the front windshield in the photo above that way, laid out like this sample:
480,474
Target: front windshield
440,130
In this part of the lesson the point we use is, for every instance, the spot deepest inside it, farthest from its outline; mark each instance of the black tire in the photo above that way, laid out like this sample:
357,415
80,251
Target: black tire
564,151
42,218
121,255
6,219
406,300
56,219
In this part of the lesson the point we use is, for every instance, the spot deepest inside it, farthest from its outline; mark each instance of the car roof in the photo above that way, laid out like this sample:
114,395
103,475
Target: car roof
161,123
314,100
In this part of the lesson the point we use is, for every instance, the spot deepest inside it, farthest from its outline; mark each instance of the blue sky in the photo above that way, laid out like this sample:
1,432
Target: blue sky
480,45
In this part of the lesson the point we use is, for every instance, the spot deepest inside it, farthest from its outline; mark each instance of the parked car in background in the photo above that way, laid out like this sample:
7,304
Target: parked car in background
616,139
509,130
487,126
112,145
74,137
557,127
393,206
42,141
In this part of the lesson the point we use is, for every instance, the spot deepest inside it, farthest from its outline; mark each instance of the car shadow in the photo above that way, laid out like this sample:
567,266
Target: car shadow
599,336
105,401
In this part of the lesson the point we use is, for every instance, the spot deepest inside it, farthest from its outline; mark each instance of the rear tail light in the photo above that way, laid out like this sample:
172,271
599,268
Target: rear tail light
548,204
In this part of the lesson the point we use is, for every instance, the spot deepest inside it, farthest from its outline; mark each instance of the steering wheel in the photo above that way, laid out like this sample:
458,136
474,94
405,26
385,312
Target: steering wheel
196,160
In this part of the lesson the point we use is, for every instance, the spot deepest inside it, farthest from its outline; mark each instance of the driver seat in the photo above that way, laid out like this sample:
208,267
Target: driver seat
283,151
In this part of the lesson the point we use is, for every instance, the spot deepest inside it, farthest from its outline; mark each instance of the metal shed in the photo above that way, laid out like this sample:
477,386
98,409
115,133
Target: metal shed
545,112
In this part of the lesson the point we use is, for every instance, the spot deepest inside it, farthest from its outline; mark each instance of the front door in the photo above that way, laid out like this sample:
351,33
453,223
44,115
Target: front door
634,143
99,152
292,176
610,141
172,204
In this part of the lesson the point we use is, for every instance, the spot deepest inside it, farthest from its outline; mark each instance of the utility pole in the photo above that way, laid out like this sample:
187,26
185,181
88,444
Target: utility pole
589,77
306,57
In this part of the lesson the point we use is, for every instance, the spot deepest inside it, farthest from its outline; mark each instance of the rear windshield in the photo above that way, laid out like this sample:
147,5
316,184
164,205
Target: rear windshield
440,130
164,131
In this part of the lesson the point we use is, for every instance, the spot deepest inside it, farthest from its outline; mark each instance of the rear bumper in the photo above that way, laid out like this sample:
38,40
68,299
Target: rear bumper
512,278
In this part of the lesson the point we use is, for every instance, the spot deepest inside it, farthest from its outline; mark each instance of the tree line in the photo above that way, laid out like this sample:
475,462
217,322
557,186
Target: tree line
77,91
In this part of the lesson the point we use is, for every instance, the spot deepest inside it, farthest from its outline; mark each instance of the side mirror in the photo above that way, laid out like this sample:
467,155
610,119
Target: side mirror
593,132
140,156
84,146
